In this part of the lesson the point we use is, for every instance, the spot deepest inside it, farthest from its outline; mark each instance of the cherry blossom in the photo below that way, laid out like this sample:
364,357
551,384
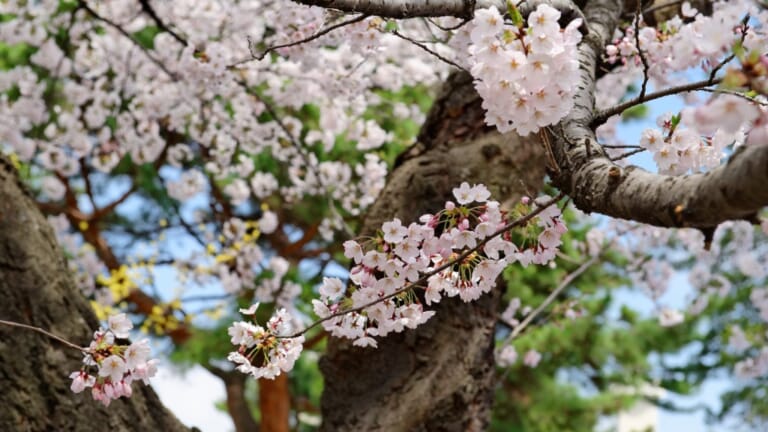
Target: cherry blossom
109,368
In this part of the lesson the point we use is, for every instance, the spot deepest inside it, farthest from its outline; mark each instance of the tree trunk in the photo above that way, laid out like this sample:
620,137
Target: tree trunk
438,377
36,289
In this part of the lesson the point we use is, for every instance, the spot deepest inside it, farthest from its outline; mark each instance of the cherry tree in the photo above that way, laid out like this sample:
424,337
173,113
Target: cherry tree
250,151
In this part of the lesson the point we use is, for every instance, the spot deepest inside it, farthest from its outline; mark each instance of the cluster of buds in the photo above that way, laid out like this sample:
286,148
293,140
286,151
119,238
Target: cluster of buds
110,367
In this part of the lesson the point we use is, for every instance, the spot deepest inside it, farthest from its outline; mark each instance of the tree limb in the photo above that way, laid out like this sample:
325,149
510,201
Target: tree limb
400,8
734,190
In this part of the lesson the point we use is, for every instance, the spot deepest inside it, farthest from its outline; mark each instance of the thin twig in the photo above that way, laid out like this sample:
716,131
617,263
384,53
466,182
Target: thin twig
429,50
613,146
638,15
46,333
298,42
725,61
208,297
737,94
147,8
552,296
602,116
451,28
520,221
83,4
98,213
627,154
548,150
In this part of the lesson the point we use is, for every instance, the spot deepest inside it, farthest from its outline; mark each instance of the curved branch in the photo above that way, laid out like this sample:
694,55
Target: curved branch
310,38
735,190
602,116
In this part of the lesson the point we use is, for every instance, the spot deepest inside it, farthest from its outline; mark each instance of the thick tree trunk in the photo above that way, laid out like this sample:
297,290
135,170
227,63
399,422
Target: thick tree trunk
438,377
36,289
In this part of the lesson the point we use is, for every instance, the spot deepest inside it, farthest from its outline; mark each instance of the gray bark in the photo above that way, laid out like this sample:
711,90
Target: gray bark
37,289
438,377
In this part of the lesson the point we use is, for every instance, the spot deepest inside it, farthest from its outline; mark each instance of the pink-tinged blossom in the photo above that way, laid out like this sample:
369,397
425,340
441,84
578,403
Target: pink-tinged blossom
353,251
506,357
276,354
463,239
688,11
268,222
146,371
81,380
408,250
394,231
670,317
399,256
365,341
737,339
532,358
136,354
243,333
331,289
525,83
251,310
113,367
120,325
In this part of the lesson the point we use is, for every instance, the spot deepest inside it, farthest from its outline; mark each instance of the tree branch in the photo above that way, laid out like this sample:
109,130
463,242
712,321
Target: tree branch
516,330
401,8
46,333
310,38
735,190
602,116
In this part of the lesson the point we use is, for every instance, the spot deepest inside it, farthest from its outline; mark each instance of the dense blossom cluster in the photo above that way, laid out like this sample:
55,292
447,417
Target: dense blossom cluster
671,50
459,251
109,367
204,110
455,252
526,74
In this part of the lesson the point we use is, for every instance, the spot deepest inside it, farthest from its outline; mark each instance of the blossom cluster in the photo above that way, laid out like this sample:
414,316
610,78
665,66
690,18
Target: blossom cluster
459,251
109,367
688,40
677,150
696,40
263,352
526,74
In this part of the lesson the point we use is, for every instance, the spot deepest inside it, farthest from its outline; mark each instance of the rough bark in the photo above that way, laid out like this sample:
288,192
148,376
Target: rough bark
439,376
36,289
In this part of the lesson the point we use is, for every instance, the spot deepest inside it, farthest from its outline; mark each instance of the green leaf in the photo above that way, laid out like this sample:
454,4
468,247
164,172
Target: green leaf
146,36
515,15
637,112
